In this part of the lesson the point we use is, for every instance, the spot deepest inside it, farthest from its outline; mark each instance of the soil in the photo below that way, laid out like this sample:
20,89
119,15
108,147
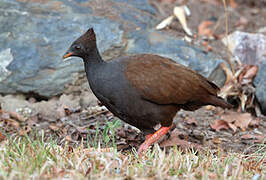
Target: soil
88,120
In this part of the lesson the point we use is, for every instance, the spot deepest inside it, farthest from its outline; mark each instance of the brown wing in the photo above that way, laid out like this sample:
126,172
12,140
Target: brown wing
163,81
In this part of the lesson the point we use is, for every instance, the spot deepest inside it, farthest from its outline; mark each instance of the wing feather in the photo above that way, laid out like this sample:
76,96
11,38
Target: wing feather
163,81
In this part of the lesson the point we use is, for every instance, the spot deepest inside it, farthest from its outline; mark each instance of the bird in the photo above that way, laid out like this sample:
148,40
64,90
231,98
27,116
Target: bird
143,90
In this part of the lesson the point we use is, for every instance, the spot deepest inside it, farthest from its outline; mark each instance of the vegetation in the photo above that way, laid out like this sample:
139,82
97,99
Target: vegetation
25,158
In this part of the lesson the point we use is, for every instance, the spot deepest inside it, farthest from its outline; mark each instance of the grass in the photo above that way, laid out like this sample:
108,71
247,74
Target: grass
25,158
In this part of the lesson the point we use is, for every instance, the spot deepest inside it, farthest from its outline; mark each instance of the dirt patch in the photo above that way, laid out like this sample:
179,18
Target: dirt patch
94,124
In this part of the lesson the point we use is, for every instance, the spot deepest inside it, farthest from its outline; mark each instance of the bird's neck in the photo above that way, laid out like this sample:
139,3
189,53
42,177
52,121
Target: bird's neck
92,63
93,58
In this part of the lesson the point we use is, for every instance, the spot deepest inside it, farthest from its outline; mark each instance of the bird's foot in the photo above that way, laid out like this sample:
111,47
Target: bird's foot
152,138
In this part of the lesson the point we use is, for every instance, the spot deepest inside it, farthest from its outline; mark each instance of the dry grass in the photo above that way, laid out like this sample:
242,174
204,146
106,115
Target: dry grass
24,158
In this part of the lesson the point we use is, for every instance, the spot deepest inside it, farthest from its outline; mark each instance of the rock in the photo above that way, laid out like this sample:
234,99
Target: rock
32,45
49,110
154,42
87,99
260,85
249,48
12,103
7,58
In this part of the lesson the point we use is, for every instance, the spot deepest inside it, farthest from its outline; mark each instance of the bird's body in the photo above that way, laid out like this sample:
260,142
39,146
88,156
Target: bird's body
111,86
144,90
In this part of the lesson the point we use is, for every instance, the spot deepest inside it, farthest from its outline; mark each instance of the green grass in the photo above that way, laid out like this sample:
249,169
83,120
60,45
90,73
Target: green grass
25,158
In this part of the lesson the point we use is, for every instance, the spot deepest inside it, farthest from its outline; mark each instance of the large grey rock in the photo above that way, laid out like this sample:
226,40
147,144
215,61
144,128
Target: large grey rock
260,84
35,40
34,35
249,48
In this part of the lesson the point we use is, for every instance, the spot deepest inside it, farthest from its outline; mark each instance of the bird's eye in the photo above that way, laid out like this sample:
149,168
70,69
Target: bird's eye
77,47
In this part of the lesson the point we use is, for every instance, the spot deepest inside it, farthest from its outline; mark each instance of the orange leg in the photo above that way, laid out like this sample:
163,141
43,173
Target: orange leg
152,138
148,136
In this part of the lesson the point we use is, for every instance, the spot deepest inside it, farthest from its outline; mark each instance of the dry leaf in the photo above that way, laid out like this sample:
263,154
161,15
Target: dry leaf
53,127
180,13
232,126
217,125
240,120
233,4
216,140
248,72
165,22
204,30
175,140
255,122
16,116
257,138
251,72
11,122
69,138
24,131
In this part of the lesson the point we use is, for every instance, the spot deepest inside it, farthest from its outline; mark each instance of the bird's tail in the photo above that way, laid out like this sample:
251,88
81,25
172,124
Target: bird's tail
218,101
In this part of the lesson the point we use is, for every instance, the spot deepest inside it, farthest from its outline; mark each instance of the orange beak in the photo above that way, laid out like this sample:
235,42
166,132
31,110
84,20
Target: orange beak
68,54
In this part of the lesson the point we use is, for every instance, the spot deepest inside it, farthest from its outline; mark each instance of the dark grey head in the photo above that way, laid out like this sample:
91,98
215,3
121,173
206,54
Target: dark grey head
83,46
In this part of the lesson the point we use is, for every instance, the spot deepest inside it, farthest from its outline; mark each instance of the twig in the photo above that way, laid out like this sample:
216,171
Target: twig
226,33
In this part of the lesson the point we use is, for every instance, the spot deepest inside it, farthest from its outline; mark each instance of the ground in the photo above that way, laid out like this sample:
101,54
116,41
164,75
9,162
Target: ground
89,124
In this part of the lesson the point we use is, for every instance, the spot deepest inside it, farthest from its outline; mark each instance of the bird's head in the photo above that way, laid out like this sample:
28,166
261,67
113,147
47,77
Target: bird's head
82,46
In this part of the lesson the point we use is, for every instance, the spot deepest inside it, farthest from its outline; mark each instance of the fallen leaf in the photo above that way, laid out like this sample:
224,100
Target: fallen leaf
255,122
166,22
204,30
25,131
16,116
216,140
248,72
69,138
251,72
232,126
53,127
11,122
217,125
180,13
257,138
175,140
233,4
240,120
